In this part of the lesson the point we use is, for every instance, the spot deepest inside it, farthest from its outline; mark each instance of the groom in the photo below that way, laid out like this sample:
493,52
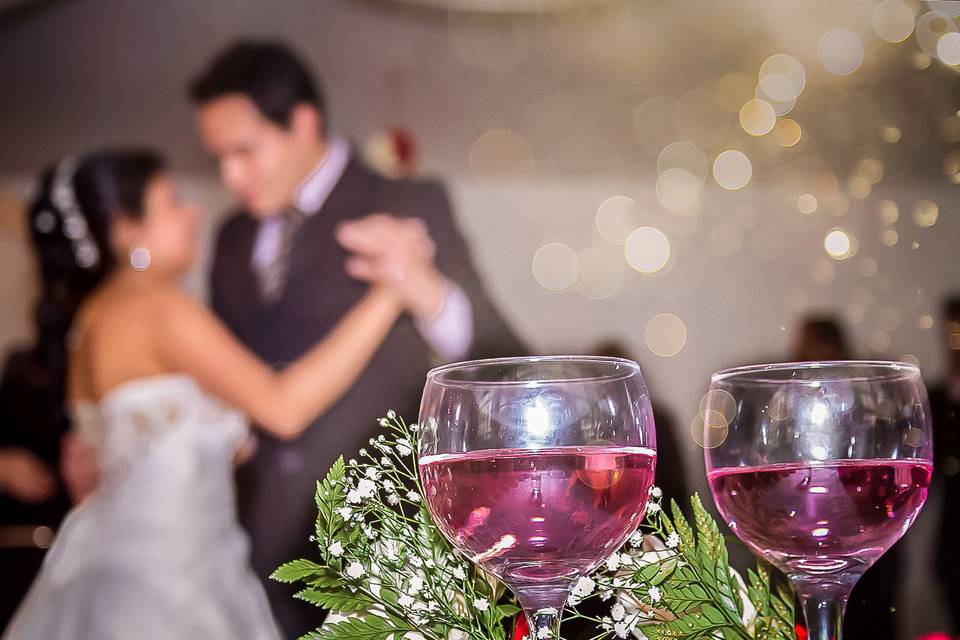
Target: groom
292,261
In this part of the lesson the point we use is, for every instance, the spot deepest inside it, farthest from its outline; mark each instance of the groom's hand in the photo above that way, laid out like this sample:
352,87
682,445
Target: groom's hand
397,252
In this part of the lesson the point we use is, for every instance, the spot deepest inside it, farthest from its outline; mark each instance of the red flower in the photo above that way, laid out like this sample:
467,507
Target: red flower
801,632
520,628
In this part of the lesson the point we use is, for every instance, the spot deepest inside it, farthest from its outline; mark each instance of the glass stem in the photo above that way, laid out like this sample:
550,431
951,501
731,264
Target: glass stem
547,618
824,615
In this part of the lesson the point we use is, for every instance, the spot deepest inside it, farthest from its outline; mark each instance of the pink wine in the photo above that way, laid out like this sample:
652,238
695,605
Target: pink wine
539,516
836,516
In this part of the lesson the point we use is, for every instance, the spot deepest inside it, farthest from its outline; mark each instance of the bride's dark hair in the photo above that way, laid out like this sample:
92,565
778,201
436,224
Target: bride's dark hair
69,221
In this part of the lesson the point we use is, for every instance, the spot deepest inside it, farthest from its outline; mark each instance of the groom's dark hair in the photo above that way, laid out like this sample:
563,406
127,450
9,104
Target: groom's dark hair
268,73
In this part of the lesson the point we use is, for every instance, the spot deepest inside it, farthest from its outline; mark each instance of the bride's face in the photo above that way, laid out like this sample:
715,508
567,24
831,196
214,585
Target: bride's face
167,229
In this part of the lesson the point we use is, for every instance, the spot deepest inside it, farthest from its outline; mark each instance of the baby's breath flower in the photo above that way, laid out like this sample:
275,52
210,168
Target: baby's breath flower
653,507
459,573
613,562
393,499
584,587
392,414
481,604
621,629
355,570
345,512
617,612
672,541
654,594
413,496
405,601
656,492
416,584
366,488
336,549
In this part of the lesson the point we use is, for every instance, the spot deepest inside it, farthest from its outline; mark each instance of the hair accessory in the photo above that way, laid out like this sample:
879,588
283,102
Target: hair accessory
74,225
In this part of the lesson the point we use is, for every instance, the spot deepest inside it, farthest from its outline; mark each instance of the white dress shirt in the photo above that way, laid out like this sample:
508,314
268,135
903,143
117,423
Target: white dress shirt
449,334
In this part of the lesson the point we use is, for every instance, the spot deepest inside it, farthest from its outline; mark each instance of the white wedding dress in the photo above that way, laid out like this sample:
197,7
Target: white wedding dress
156,552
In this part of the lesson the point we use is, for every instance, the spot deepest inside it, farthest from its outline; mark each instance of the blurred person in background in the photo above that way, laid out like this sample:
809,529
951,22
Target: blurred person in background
34,420
282,278
945,410
159,388
820,338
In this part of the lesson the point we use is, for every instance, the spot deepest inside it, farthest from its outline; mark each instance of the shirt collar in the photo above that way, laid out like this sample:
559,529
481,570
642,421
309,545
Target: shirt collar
314,191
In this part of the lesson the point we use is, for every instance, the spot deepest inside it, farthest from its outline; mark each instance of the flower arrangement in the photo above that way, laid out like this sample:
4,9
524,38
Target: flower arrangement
386,571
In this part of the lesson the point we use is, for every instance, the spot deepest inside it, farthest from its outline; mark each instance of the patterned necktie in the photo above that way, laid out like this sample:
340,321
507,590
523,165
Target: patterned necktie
273,274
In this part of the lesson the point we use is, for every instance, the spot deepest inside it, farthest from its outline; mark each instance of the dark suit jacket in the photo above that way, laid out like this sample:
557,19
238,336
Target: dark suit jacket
276,488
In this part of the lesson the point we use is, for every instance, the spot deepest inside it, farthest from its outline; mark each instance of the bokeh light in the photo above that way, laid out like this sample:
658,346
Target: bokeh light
806,203
617,216
925,213
871,169
757,117
837,244
889,237
859,187
782,77
555,266
948,48
679,190
931,27
888,211
893,20
868,267
840,51
665,335
780,107
732,169
647,250
891,134
502,159
787,132
707,437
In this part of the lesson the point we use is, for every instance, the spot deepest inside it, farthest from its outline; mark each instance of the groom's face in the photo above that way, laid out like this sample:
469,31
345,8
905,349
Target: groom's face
260,161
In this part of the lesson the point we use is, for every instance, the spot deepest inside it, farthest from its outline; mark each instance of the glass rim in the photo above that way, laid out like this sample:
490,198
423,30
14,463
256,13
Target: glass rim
436,374
753,374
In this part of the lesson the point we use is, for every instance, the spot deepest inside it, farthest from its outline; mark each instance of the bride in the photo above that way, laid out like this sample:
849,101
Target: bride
163,389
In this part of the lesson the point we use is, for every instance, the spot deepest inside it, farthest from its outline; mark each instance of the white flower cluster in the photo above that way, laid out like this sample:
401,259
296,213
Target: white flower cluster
381,543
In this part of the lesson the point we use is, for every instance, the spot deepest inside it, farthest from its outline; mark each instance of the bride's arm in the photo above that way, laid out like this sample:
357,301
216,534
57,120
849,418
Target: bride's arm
192,340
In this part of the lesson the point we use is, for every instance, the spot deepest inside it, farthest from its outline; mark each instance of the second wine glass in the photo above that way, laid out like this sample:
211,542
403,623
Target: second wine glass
537,469
819,468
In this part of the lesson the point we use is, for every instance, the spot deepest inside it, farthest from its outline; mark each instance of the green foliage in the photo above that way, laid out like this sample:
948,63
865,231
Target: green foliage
383,564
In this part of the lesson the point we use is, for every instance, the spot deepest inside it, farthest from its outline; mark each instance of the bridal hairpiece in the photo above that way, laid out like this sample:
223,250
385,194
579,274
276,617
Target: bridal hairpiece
74,225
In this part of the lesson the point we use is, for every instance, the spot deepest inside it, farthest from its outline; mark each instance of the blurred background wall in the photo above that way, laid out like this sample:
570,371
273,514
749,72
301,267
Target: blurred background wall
611,163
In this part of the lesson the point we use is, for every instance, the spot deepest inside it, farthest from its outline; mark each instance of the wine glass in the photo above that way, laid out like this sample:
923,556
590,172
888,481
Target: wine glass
819,467
537,469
